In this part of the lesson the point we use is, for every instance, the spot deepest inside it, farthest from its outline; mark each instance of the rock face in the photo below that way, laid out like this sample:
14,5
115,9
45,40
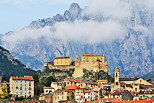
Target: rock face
134,54
12,67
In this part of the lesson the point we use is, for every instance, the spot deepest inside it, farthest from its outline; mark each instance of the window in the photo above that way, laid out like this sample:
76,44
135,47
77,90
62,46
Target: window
135,89
116,83
20,88
116,75
30,84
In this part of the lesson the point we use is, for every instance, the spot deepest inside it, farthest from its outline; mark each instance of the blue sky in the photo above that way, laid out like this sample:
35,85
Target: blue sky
16,14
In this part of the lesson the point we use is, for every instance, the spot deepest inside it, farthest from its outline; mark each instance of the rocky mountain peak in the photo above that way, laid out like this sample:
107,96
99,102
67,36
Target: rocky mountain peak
75,9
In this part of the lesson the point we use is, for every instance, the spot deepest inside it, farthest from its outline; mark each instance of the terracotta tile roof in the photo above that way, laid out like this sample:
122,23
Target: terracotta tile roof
23,78
96,89
136,101
48,88
74,80
104,100
89,82
72,87
88,91
107,83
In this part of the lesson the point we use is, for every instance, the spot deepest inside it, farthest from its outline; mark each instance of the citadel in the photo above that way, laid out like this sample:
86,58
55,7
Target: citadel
89,62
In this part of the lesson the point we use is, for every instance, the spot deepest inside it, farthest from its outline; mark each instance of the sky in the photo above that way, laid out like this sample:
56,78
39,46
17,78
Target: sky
16,14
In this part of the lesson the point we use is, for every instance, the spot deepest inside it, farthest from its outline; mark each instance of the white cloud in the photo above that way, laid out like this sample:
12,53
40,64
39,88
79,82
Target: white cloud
85,31
89,31
146,4
113,8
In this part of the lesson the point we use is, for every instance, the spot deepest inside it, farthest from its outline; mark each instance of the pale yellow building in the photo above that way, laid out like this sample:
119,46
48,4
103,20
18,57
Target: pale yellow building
89,62
22,87
62,95
62,61
92,58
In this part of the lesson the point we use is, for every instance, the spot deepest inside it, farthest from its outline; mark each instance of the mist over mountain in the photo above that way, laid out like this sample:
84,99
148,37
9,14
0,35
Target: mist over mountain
121,30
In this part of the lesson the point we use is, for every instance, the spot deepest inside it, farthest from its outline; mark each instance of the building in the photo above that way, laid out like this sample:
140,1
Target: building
48,90
62,61
89,95
89,62
22,87
62,95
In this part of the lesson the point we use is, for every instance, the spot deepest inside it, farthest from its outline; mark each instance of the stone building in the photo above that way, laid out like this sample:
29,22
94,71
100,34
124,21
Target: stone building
89,62
22,87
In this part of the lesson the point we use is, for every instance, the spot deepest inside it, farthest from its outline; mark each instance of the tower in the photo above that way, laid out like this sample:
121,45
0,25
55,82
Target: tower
116,79
77,61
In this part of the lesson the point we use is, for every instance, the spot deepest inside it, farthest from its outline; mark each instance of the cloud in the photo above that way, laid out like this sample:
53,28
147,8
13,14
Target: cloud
84,31
89,31
145,4
112,8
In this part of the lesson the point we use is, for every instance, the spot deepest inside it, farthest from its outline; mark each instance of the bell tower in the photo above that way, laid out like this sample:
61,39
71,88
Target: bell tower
116,79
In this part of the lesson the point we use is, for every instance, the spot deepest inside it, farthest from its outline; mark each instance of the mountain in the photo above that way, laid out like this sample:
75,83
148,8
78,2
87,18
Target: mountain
133,53
148,75
12,67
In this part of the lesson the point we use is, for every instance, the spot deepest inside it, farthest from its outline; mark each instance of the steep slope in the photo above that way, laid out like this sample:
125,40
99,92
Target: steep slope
12,67
134,53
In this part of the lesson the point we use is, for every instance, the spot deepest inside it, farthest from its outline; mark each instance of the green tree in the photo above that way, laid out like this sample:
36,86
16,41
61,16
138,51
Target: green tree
49,80
36,78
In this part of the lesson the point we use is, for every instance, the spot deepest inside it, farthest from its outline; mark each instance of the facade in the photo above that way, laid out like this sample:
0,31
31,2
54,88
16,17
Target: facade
48,90
88,62
62,95
62,61
22,87
89,95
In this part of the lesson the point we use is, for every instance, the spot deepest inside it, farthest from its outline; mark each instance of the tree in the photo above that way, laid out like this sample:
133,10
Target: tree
4,93
36,78
49,80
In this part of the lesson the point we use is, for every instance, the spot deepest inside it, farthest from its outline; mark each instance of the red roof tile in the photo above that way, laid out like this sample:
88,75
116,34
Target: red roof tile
23,78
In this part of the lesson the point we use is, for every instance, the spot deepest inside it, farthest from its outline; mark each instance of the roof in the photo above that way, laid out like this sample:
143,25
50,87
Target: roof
72,87
146,92
102,80
128,79
92,55
87,91
73,80
23,78
62,57
64,90
96,89
105,100
136,101
48,88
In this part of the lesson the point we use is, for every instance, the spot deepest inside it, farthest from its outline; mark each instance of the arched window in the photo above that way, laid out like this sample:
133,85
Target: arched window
116,75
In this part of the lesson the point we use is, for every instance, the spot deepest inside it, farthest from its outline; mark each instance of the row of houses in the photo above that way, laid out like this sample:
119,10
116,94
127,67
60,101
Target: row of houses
81,91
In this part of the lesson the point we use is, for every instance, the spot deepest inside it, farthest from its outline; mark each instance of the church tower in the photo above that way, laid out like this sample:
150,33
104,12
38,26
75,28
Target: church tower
116,79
